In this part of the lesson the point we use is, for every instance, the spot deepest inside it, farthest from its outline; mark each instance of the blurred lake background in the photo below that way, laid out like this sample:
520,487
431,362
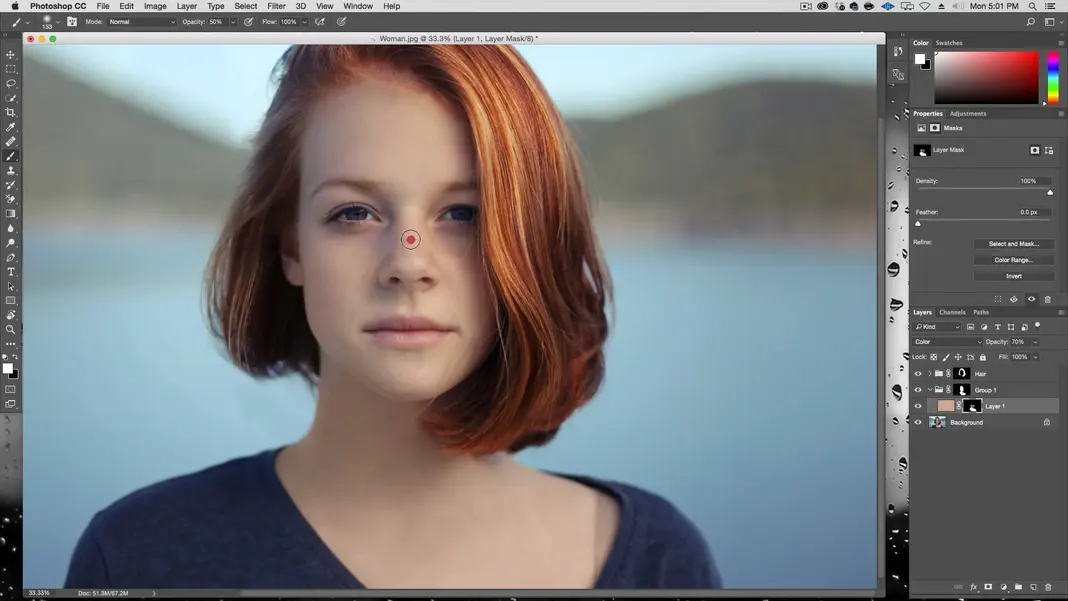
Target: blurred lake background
736,191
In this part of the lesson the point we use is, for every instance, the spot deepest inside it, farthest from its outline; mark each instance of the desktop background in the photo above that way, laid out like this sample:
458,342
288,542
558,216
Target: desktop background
736,191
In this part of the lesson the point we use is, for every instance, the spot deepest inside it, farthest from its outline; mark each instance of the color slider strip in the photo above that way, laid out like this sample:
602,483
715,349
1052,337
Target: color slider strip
1053,79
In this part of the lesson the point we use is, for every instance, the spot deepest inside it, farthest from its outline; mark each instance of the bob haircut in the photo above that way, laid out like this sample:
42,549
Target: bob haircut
535,235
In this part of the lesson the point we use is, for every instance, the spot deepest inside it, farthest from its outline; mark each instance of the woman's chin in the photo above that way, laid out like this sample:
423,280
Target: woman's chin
412,389
411,378
405,379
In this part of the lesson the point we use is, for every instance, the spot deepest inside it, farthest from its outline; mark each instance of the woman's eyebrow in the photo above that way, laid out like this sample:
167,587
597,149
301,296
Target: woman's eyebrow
369,187
460,186
380,192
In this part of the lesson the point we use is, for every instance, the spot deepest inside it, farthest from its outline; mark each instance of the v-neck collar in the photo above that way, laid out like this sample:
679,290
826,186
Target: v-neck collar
321,554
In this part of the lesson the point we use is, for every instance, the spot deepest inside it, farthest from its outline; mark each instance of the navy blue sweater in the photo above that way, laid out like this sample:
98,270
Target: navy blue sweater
234,526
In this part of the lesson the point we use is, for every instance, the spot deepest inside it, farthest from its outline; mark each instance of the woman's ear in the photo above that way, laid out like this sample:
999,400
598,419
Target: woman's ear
290,250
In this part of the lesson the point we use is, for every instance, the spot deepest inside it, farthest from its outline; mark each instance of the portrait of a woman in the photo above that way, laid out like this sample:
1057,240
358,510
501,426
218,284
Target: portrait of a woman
414,238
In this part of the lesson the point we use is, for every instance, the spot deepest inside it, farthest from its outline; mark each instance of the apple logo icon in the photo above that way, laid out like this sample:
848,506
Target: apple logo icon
14,6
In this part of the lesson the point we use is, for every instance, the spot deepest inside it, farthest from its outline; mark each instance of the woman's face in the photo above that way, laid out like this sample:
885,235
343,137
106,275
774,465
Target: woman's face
386,233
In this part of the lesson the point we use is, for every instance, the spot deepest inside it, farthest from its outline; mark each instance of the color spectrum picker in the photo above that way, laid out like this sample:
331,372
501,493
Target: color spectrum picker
1053,84
986,77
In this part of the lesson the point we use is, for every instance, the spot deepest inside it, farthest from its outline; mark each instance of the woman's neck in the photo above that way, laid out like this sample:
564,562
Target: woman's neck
364,447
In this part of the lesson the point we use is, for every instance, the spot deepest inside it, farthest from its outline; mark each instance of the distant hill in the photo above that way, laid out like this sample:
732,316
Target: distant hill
89,149
781,148
764,142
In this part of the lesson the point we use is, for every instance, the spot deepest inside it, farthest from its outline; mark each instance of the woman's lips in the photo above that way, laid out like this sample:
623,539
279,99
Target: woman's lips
408,339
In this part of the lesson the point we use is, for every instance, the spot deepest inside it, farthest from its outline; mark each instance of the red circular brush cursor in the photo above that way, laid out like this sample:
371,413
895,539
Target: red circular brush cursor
410,239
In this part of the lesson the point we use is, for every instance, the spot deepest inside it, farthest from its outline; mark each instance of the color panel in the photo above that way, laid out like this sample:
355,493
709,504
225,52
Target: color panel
986,78
1053,77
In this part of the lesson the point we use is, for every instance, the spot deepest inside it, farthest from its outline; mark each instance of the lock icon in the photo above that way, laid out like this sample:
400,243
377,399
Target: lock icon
982,357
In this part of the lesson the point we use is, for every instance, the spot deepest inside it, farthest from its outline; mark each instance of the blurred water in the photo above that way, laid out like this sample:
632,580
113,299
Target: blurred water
741,385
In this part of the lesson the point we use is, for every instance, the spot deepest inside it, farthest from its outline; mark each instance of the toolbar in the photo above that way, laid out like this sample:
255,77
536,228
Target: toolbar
11,227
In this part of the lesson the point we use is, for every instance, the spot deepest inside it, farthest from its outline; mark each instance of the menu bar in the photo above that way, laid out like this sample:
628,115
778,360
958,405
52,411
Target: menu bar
474,22
544,6
412,6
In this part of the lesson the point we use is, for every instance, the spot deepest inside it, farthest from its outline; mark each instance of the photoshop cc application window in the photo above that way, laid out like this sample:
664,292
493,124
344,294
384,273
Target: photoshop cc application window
685,299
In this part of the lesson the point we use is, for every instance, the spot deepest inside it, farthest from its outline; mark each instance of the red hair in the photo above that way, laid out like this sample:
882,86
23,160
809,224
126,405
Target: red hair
535,232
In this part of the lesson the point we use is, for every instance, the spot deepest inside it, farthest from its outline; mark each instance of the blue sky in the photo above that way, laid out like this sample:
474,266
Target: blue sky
224,90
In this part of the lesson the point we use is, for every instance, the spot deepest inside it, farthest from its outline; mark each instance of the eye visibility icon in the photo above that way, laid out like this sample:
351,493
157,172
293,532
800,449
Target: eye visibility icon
410,239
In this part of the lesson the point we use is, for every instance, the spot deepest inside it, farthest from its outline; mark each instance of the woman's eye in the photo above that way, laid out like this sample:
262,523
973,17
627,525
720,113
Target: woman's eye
351,214
461,213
